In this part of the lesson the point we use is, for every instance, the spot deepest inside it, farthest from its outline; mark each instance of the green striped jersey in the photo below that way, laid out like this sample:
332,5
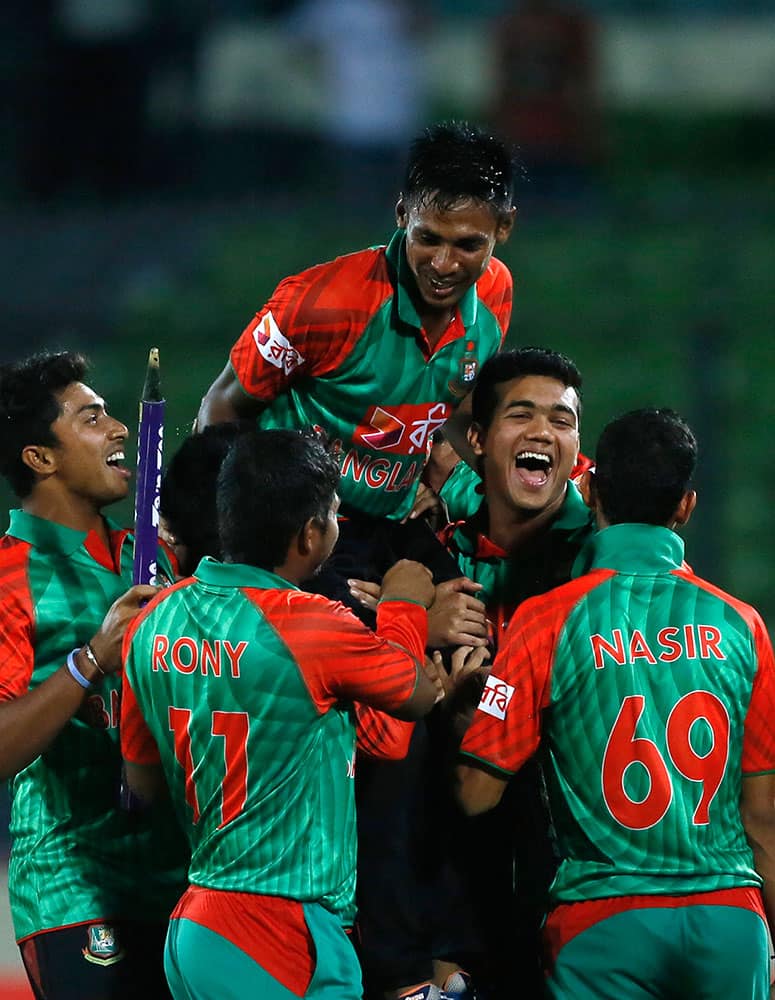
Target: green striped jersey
654,693
76,856
341,346
241,686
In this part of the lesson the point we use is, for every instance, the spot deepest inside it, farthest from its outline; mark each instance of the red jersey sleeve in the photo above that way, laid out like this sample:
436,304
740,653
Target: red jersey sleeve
381,736
137,744
342,660
311,322
495,289
759,736
506,727
17,620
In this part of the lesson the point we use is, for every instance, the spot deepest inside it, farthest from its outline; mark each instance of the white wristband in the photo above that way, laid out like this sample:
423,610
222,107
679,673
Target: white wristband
75,673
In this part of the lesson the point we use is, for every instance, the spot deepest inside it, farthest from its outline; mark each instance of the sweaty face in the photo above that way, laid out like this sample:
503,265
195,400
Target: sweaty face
90,456
448,251
531,445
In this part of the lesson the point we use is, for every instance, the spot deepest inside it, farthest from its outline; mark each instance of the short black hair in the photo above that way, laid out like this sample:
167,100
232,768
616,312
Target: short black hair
188,487
270,484
456,161
519,363
644,465
29,406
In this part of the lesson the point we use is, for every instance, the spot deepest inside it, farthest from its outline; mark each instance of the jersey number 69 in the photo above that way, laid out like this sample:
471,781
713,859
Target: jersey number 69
624,748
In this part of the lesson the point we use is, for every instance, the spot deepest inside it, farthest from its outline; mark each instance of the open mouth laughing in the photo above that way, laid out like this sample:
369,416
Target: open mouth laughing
533,468
116,462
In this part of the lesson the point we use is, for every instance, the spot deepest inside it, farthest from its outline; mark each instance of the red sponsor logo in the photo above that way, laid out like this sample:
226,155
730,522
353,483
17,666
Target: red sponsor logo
401,430
496,697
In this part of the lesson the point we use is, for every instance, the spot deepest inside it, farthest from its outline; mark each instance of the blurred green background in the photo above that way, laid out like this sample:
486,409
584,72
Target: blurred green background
165,164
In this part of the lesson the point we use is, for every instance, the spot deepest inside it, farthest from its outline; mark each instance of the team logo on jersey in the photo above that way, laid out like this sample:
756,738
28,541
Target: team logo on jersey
469,366
102,947
403,430
274,346
496,697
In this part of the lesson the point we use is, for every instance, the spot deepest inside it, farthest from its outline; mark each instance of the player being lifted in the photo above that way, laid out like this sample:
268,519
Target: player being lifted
382,346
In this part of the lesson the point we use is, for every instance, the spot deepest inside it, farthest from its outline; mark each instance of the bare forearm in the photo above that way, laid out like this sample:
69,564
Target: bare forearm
225,402
757,811
764,863
456,431
146,782
29,724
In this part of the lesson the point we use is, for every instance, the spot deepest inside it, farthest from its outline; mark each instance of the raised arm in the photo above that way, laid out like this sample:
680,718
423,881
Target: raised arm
225,402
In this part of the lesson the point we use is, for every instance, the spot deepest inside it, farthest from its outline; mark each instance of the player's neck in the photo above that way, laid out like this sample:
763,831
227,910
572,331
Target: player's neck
69,510
435,323
512,529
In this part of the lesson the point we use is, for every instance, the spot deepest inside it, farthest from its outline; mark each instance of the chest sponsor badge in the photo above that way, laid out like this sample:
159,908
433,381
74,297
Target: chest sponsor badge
103,947
496,697
467,369
406,429
274,346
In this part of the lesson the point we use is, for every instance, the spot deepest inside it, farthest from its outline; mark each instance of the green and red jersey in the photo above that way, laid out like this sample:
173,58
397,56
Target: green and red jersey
242,687
545,562
340,346
654,694
76,857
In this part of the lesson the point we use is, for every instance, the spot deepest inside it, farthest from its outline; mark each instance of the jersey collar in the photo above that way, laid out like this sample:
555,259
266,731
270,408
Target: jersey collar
572,516
48,536
396,255
221,574
637,549
574,513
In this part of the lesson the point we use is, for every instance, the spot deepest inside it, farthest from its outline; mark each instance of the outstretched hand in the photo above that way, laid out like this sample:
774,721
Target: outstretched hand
428,504
365,592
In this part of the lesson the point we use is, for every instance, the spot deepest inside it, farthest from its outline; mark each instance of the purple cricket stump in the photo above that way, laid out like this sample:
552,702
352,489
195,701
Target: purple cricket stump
149,458
150,437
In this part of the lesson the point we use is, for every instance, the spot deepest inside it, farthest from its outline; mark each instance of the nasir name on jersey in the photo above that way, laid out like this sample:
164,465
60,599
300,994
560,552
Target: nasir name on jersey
670,643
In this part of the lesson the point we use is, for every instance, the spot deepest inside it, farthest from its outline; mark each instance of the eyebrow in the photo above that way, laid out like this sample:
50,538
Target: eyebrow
479,237
531,405
90,406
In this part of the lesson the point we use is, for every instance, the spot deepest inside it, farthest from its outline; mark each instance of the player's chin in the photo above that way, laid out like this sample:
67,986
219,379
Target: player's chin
115,492
531,501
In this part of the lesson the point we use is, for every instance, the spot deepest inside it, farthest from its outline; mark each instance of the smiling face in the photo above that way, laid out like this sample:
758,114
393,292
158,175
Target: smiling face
531,445
449,250
89,459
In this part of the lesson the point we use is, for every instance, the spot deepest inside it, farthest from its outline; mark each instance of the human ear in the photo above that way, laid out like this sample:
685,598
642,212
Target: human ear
476,435
685,508
40,459
586,485
505,226
305,540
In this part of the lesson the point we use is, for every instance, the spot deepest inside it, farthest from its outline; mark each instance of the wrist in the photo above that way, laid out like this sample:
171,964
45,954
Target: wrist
84,668
390,599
